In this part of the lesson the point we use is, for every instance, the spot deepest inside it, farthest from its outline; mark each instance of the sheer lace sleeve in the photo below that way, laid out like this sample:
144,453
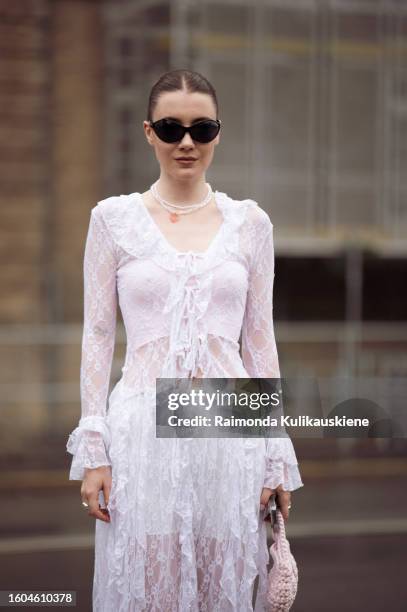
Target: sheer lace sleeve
89,442
259,351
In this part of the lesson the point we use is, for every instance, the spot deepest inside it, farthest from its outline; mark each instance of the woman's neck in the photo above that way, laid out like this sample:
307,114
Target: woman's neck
182,192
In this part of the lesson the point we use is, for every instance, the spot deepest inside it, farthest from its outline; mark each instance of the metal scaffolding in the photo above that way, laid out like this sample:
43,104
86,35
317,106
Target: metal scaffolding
313,99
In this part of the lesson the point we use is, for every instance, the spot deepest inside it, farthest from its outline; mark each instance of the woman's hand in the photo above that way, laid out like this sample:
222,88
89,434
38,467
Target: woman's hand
283,500
97,479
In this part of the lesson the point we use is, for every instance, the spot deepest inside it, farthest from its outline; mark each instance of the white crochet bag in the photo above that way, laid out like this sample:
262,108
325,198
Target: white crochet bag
283,576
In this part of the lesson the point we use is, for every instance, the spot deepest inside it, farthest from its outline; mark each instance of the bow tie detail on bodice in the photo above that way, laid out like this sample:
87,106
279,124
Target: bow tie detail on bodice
186,304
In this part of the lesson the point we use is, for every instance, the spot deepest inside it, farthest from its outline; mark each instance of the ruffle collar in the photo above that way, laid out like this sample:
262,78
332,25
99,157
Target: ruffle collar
134,231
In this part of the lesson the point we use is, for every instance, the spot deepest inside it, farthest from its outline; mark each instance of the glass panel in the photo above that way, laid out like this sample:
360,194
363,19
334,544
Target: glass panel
356,117
229,81
359,27
279,22
286,129
227,19
355,207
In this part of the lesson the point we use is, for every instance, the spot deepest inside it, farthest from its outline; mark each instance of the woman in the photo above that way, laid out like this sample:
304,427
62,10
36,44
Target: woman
183,528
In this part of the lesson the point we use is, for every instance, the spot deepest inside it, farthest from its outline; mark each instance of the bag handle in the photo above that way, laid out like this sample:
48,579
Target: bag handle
279,533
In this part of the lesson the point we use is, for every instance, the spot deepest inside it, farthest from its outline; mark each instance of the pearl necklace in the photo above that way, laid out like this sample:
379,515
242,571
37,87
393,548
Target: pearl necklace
180,209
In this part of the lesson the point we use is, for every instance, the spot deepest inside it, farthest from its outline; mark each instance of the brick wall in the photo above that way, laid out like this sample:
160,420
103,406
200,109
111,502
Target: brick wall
50,177
24,159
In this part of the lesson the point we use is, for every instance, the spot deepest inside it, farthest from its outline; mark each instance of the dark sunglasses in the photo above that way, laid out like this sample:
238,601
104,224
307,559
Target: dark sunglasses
169,130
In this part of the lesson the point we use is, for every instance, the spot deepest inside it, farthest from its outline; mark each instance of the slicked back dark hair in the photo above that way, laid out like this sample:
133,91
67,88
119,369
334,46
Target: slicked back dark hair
176,80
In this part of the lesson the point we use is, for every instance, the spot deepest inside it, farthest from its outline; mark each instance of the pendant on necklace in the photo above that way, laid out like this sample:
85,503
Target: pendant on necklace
174,217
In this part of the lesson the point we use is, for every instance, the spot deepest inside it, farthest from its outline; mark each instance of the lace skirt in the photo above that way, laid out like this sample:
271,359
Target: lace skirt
185,534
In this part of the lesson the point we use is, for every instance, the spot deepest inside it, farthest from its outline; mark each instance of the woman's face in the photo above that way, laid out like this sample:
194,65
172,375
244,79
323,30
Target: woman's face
186,107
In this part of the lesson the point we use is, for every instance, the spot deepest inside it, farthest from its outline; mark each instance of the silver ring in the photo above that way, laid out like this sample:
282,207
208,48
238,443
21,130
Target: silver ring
85,504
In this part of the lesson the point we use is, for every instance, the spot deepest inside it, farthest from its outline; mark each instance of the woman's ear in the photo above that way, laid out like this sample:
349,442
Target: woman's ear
148,130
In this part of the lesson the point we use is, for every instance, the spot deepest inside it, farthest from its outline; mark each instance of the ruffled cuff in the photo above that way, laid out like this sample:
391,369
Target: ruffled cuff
89,444
281,465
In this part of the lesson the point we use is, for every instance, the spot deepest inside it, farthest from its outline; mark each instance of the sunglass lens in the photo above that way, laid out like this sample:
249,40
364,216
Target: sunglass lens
205,131
169,131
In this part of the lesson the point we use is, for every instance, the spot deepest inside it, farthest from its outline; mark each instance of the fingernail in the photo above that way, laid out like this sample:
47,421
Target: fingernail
262,507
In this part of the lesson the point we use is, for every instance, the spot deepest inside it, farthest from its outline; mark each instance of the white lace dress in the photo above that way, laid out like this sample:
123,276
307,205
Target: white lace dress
186,533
